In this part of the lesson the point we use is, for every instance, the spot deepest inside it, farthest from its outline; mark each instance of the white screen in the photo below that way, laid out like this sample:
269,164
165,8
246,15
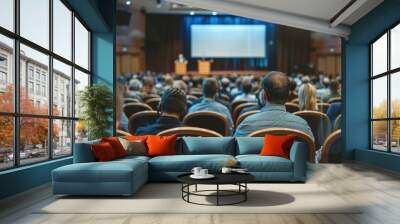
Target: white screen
228,41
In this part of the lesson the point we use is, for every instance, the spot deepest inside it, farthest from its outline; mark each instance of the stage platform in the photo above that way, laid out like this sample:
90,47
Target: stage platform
230,72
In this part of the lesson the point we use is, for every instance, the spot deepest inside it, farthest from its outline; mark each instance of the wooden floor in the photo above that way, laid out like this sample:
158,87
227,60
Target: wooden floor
379,189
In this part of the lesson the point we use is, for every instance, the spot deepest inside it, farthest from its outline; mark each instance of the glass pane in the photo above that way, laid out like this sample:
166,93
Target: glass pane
35,21
379,55
395,47
81,131
62,138
34,97
6,142
379,135
7,14
81,45
33,140
62,29
395,94
395,132
81,81
379,97
6,74
62,89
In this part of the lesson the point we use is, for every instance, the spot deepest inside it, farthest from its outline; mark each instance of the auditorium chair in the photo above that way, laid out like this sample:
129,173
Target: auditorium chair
332,148
299,136
323,107
153,103
244,115
149,96
292,107
121,133
338,123
130,100
319,123
335,100
209,120
296,101
236,103
141,119
239,108
190,131
132,108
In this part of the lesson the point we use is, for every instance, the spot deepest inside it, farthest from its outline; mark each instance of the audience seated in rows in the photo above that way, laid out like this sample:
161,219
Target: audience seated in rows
273,114
208,103
246,94
172,108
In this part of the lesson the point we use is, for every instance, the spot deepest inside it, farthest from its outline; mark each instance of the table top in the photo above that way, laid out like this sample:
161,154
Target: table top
220,178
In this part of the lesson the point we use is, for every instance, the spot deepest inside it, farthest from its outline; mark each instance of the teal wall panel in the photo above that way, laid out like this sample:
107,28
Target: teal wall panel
356,85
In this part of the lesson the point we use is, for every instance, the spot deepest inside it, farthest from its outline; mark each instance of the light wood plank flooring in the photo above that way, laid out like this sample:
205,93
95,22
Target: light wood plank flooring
377,188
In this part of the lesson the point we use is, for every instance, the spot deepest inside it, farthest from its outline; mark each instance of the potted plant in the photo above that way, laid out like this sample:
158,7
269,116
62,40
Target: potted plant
96,103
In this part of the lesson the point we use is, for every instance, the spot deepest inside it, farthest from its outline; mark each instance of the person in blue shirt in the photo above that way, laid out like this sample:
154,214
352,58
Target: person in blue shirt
333,111
171,109
208,103
273,114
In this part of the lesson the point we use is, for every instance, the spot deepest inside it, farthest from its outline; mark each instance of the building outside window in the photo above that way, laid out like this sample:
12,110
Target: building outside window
57,126
385,94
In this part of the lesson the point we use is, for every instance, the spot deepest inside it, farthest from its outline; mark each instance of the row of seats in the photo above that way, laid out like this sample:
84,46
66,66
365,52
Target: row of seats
133,106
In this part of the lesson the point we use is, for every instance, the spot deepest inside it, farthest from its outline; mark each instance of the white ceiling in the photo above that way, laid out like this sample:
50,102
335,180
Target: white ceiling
320,9
313,15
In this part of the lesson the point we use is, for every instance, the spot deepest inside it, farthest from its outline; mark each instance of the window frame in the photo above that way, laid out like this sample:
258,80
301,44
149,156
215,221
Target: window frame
388,74
16,115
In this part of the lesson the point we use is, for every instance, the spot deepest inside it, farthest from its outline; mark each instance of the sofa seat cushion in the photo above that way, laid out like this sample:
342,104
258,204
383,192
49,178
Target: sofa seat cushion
257,163
113,171
185,163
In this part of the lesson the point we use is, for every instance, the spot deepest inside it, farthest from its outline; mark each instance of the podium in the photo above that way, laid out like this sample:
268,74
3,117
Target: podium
204,67
180,68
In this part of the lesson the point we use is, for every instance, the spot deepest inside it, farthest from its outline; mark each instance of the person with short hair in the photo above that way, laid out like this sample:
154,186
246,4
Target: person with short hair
148,85
247,94
273,114
171,110
135,87
210,89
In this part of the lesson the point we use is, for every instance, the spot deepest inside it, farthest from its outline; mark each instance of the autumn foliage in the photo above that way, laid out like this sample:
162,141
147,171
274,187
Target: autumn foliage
380,127
33,131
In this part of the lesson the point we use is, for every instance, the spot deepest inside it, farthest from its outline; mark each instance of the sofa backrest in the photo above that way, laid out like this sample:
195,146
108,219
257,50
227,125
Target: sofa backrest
206,145
83,153
249,145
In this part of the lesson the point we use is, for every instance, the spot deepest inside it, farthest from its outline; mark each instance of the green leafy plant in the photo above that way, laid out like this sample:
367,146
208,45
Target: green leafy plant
96,104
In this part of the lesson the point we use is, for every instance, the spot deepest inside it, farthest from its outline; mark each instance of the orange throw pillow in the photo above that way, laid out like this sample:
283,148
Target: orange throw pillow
136,138
116,145
103,152
161,145
277,145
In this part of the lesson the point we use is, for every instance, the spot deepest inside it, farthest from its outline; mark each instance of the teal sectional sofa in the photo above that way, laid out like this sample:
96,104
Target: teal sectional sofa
125,176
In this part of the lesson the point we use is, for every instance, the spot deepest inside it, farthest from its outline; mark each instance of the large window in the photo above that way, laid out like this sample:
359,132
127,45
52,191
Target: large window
44,64
385,92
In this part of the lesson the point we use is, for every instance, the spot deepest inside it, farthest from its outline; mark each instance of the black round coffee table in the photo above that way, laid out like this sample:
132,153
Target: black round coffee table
238,179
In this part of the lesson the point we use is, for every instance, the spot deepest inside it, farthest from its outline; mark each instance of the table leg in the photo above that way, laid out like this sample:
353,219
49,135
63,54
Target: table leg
217,194
245,193
196,187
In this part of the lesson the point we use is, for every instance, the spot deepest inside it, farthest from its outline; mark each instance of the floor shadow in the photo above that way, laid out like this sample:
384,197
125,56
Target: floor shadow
256,198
